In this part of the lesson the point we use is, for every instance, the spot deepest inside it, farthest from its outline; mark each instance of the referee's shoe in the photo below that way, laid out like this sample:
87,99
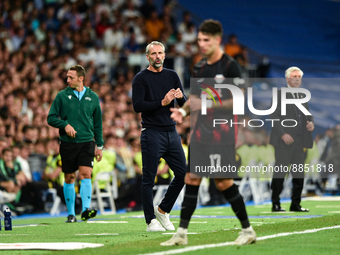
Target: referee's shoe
71,219
88,213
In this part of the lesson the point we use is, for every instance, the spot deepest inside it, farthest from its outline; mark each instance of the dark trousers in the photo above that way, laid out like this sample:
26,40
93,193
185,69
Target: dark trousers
156,144
292,155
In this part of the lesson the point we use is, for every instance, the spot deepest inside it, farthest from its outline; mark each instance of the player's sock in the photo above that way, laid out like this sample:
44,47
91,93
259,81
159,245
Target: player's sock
70,198
235,199
85,193
188,205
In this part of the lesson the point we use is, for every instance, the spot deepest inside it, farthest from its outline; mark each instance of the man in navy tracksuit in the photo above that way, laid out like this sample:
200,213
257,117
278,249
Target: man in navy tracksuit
153,92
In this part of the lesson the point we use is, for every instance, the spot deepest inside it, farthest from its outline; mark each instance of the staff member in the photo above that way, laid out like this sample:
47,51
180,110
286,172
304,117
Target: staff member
77,114
289,143
153,92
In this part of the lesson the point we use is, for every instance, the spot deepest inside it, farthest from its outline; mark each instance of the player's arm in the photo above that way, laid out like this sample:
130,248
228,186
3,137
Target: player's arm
178,114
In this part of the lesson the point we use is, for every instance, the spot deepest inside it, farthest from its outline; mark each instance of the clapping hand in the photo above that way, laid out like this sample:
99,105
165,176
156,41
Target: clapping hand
178,93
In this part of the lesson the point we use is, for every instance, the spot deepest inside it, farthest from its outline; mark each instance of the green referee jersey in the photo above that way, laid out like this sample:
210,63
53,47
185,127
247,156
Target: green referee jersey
83,115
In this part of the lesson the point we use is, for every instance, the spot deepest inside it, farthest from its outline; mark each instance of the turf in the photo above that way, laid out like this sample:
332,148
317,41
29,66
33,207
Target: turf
125,233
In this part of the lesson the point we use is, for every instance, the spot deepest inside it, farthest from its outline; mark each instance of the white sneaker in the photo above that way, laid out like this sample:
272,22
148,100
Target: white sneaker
164,219
154,225
247,236
180,238
6,197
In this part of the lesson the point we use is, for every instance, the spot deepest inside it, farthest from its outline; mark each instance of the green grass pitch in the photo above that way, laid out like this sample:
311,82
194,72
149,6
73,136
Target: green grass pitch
125,233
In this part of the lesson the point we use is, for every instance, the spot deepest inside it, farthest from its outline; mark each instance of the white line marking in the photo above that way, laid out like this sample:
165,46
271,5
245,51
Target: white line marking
192,222
136,217
334,212
30,225
327,206
48,246
98,221
205,246
169,233
278,212
332,198
101,234
14,234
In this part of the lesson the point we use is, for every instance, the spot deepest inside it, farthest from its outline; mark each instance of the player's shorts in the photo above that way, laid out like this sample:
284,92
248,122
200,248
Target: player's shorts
213,161
74,155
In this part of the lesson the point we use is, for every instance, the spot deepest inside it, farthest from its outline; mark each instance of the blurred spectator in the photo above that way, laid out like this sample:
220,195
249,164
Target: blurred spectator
37,159
53,175
233,48
154,26
190,34
103,24
186,20
130,12
20,154
11,176
113,38
18,38
147,8
132,46
51,21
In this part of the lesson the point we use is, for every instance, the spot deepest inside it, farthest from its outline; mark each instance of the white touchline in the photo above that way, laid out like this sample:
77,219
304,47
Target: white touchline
101,234
30,225
206,246
327,206
104,222
199,222
14,234
172,233
48,246
277,212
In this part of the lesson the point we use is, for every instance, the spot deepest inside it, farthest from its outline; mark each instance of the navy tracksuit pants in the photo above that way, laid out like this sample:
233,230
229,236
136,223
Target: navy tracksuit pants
155,145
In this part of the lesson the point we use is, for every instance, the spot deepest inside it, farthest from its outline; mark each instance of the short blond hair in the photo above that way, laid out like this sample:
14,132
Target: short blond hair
147,50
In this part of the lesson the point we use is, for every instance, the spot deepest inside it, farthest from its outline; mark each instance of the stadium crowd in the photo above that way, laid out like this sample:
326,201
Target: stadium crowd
39,41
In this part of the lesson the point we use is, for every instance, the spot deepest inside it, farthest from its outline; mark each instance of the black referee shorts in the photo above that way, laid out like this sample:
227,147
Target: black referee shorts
74,155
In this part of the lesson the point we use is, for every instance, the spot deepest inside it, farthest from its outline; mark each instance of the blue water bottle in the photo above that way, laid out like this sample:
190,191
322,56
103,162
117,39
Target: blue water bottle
8,219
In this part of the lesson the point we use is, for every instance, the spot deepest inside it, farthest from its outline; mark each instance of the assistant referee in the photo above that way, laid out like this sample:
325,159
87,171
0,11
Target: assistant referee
76,112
